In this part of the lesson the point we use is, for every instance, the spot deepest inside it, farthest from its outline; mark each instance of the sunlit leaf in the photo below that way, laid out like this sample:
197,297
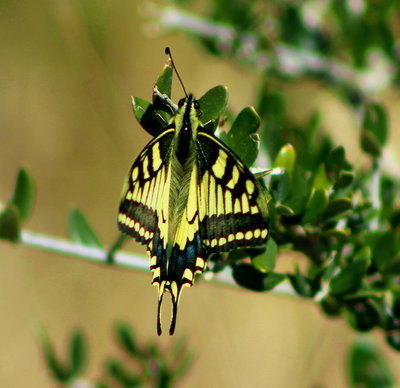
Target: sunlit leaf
213,103
286,159
265,262
243,137
164,81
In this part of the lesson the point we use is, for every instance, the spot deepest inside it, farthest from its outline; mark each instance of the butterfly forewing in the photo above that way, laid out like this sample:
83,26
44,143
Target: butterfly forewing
142,212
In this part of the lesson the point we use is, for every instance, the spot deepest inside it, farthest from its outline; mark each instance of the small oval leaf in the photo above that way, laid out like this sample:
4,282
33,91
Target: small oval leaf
213,103
370,144
24,194
316,206
147,116
59,371
247,276
286,158
349,278
243,137
80,230
321,180
126,338
77,353
266,261
164,81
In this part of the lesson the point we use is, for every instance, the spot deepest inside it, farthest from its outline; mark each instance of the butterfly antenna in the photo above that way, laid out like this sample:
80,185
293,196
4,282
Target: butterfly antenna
168,52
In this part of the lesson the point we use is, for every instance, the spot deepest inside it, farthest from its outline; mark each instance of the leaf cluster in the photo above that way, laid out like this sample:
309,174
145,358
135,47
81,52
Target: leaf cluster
138,365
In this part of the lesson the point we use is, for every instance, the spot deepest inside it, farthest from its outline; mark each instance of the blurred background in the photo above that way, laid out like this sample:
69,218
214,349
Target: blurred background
67,73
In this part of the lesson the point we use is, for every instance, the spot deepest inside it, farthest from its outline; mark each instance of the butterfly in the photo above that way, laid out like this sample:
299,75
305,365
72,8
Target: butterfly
187,196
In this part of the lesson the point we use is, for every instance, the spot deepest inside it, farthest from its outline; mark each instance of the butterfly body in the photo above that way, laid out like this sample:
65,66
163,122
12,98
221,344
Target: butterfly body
187,196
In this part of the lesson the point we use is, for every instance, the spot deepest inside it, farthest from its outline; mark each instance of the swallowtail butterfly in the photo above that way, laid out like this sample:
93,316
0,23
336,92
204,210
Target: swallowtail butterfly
188,195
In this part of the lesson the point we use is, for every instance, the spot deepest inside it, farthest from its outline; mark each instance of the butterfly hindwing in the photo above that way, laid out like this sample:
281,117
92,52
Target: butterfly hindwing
232,211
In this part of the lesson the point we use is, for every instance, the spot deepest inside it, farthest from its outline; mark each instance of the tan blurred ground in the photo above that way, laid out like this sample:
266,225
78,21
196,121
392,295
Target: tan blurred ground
65,113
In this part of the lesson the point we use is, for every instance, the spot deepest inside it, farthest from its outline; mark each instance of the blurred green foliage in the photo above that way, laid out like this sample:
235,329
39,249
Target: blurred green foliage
139,365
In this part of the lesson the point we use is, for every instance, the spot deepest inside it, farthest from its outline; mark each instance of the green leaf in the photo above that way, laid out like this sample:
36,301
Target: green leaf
284,210
367,368
164,81
9,223
126,339
242,137
321,180
304,286
374,129
338,206
370,144
286,159
362,315
299,191
316,206
117,370
349,278
384,248
341,235
59,371
213,103
24,194
249,277
375,122
77,353
279,187
146,115
393,339
266,261
344,180
336,160
331,306
80,230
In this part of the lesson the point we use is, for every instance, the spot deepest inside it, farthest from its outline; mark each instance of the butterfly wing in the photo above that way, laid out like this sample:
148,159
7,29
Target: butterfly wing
144,207
233,210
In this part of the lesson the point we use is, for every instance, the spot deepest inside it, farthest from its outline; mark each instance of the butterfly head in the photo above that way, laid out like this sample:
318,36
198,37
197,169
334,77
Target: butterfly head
189,108
187,119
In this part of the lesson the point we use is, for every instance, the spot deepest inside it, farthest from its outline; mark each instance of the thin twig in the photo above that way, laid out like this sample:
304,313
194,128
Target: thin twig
122,259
